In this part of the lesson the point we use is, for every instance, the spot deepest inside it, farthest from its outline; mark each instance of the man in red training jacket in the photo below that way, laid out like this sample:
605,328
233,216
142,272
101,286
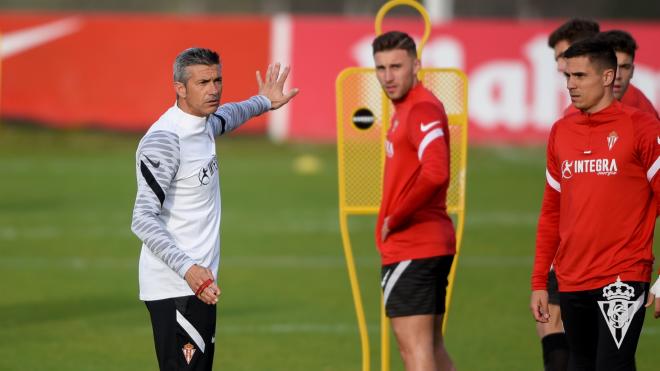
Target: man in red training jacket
598,215
414,234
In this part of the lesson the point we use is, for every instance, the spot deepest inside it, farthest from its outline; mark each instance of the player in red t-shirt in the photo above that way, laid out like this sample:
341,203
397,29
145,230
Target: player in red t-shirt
635,98
598,215
551,333
414,234
624,46
573,30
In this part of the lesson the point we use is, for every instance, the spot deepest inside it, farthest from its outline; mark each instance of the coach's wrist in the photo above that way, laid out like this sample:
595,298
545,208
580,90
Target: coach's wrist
185,268
264,102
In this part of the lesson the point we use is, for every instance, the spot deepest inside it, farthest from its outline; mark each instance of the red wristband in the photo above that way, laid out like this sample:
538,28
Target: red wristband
201,288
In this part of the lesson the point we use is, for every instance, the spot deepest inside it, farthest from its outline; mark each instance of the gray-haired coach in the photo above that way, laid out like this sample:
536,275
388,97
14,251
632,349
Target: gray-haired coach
177,207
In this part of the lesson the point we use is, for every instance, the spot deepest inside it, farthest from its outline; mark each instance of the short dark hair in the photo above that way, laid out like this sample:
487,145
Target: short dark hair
573,30
599,53
190,57
620,41
394,40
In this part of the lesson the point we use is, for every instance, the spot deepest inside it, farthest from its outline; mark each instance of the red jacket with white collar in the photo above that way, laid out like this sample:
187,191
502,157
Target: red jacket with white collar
415,181
598,212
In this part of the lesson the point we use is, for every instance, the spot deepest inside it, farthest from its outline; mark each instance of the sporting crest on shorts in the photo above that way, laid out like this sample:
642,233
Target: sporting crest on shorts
618,309
188,352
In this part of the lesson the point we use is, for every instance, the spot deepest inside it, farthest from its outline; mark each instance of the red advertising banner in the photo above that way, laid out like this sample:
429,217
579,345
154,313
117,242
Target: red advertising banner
115,71
515,92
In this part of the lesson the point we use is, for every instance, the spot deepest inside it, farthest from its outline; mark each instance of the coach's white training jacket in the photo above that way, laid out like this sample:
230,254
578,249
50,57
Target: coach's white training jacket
177,207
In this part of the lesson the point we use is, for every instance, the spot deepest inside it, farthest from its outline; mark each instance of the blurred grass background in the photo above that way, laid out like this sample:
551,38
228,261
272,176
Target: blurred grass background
68,262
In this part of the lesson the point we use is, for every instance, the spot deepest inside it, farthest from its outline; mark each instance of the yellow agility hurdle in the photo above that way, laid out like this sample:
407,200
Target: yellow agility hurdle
363,116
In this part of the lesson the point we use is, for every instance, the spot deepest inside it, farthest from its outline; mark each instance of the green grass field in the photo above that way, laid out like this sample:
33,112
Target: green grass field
68,263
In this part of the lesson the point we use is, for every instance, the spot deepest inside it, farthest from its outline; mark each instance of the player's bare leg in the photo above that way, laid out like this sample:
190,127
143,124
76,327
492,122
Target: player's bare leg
442,360
414,335
554,325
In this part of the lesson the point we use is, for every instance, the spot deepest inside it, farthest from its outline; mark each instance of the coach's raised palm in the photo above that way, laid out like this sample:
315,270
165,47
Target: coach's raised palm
272,86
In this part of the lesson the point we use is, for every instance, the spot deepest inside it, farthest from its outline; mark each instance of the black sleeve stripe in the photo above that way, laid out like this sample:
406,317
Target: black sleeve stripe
223,122
151,181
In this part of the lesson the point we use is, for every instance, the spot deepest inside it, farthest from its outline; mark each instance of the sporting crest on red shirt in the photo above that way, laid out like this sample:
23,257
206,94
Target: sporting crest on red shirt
395,124
611,139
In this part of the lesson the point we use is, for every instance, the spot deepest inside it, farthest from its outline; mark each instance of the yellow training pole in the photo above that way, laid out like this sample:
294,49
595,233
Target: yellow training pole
384,321
411,3
355,289
460,207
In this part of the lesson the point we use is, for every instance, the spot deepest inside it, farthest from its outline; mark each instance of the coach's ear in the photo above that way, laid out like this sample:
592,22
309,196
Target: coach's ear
180,89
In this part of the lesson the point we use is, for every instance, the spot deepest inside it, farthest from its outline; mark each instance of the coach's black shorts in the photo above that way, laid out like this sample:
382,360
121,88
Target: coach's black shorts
184,333
553,288
418,286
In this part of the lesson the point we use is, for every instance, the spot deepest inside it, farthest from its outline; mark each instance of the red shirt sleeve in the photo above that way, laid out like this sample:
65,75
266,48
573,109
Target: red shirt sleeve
647,106
647,135
636,98
547,233
427,132
648,149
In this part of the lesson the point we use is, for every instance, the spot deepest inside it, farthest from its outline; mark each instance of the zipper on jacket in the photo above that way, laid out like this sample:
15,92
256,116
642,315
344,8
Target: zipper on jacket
587,150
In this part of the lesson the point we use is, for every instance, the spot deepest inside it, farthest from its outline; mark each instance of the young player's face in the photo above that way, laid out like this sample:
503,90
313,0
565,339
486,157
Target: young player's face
624,73
200,95
560,48
587,85
396,71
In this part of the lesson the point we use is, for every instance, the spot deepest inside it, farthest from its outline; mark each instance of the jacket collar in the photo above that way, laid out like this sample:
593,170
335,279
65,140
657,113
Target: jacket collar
603,116
186,122
412,93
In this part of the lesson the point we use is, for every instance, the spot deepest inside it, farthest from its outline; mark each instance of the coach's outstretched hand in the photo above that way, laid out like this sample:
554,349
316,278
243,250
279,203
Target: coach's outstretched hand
539,306
272,86
654,296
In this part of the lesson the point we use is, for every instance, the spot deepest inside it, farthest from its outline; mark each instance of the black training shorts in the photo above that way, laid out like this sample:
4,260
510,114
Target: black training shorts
553,288
418,286
603,325
184,333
